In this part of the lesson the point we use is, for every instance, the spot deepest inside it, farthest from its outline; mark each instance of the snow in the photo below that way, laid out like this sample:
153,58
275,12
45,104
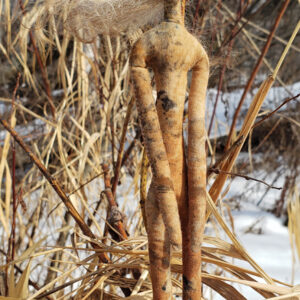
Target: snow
228,102
36,127
270,248
262,234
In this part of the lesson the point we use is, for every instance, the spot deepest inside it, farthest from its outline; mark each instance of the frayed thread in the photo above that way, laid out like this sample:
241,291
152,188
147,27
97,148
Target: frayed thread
88,18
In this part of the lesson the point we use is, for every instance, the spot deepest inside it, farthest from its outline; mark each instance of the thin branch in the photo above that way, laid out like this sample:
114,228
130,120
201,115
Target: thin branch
234,32
121,148
256,69
13,230
232,174
131,147
267,135
84,184
42,67
115,216
274,111
56,186
227,153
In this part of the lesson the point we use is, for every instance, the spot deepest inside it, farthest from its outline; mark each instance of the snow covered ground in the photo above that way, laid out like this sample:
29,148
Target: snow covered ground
228,102
264,236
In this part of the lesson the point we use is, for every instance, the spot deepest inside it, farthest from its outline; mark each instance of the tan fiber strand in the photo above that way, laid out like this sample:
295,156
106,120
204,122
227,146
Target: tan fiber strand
88,18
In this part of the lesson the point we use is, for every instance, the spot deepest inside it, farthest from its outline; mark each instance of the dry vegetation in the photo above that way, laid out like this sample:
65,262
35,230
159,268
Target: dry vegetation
62,233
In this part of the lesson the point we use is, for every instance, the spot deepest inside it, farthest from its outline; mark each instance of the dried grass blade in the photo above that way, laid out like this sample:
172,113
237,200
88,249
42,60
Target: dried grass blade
21,289
255,106
4,217
236,243
257,285
8,23
217,186
98,283
294,220
291,296
222,288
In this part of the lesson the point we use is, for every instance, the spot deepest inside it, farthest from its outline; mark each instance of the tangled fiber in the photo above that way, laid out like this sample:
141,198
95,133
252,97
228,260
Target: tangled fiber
88,18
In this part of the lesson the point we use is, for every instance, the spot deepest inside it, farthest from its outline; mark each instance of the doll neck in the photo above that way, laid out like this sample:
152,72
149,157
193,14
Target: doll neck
174,11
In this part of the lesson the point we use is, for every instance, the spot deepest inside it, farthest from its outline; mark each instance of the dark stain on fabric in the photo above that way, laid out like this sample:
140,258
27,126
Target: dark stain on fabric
164,287
187,285
166,102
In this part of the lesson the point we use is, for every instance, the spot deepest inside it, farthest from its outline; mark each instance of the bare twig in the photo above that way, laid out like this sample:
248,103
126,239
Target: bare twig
252,113
275,110
234,33
232,174
42,67
115,216
130,147
121,148
267,135
84,184
255,70
112,132
242,9
56,186
14,210
224,157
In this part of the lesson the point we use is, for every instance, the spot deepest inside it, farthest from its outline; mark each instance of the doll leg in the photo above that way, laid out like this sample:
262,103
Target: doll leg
159,249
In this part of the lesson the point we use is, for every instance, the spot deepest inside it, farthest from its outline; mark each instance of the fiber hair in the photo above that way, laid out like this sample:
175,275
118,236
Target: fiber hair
88,18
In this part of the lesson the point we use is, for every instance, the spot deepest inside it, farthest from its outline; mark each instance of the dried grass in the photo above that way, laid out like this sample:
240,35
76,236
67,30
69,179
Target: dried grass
85,133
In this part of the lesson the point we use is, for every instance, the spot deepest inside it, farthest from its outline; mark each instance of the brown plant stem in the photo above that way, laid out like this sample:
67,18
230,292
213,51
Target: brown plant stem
14,206
115,218
56,186
112,132
267,135
84,184
252,113
255,70
196,14
121,149
57,256
41,65
227,165
220,84
278,209
232,174
130,147
258,123
242,9
224,157
222,72
58,189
